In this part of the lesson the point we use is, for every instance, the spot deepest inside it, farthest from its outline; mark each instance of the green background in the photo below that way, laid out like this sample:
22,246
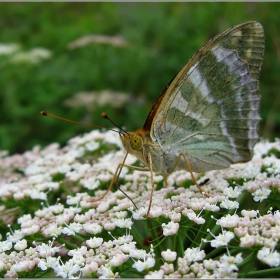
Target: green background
160,38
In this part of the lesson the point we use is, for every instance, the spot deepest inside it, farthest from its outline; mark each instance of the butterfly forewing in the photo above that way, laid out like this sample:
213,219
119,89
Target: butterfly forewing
210,110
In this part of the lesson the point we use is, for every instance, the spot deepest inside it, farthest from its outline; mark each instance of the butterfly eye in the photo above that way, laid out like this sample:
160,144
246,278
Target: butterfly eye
136,142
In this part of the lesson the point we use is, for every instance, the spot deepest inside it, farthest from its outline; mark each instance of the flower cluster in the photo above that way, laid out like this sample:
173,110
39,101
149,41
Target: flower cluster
53,222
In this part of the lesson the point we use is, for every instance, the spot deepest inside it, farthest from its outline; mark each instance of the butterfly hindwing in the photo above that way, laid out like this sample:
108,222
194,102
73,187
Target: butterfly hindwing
210,110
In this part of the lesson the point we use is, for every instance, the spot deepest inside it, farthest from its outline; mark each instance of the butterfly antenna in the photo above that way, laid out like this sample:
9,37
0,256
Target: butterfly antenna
105,116
67,120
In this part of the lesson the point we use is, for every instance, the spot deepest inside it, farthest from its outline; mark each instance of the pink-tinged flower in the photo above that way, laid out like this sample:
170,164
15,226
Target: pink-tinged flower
20,245
144,265
247,240
169,256
88,269
31,230
21,266
168,268
269,257
210,264
93,228
194,254
157,274
170,229
118,259
140,213
47,249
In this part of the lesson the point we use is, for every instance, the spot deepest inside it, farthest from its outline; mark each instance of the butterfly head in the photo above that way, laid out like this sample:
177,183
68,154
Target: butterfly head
131,142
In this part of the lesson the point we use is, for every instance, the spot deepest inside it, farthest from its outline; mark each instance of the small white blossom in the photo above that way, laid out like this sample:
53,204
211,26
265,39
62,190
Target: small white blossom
261,194
20,245
93,228
194,254
5,245
193,217
168,255
269,257
170,229
49,262
247,240
249,213
228,221
229,204
67,270
94,242
222,239
72,228
144,265
16,236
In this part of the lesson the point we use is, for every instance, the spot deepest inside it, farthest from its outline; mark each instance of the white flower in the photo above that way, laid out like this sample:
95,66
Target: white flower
261,194
228,204
8,49
170,229
53,230
20,245
94,242
193,217
194,254
169,256
248,213
123,223
5,245
232,193
72,228
47,249
118,259
16,236
229,221
158,274
155,211
92,228
269,257
92,146
247,240
228,263
88,269
49,262
142,265
222,239
67,270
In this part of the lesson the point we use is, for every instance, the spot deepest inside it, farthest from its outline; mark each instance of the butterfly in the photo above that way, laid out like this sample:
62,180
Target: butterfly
207,117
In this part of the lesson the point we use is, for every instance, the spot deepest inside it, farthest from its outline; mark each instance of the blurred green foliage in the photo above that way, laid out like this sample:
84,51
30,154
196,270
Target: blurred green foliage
161,37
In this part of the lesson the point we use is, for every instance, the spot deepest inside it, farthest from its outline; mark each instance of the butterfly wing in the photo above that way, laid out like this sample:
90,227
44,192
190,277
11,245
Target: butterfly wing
210,109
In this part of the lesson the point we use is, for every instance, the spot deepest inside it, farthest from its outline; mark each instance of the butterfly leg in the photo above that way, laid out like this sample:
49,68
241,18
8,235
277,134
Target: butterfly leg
115,180
189,169
152,181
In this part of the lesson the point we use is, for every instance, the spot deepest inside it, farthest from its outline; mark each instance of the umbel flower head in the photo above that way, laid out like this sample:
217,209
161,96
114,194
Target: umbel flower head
50,225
